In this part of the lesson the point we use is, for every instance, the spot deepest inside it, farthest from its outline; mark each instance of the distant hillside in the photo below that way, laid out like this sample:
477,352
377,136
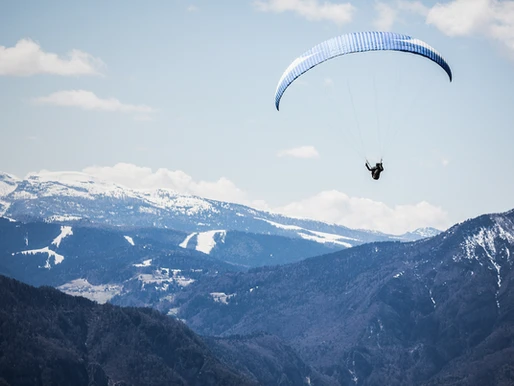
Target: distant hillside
131,266
102,264
50,338
438,311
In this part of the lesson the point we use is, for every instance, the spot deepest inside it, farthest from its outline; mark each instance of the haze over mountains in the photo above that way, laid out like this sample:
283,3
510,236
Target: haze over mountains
277,300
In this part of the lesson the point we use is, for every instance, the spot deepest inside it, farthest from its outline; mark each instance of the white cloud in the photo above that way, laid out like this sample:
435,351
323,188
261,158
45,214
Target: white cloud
355,212
300,152
460,18
386,16
137,177
329,206
491,18
87,100
192,8
27,58
310,9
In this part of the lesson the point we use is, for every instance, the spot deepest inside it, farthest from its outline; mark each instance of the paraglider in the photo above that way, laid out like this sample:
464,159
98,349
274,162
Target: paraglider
356,43
375,170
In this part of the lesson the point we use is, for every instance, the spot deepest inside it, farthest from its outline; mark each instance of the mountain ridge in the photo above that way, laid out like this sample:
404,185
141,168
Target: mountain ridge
78,198
405,312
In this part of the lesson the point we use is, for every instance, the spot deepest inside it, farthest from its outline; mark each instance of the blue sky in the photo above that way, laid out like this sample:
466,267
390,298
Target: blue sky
180,94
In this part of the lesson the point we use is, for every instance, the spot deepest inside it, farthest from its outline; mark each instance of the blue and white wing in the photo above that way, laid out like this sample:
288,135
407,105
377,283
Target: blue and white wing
353,43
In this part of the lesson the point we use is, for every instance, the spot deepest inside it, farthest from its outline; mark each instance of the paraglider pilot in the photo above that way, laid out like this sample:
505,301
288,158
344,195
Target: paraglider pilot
375,170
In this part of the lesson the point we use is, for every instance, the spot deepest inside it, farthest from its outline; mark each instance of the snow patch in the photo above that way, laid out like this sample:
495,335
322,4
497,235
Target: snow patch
486,239
353,373
221,297
205,240
183,244
62,218
145,263
431,297
280,226
65,232
319,237
162,277
7,187
99,293
23,196
323,238
58,259
130,240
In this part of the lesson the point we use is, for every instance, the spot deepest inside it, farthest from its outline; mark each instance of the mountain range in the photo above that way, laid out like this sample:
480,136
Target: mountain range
438,311
276,300
78,198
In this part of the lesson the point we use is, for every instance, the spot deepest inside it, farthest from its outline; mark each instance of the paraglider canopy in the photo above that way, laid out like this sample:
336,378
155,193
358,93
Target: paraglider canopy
354,43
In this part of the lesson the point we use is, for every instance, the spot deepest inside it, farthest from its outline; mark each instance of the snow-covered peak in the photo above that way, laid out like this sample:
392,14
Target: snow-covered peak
490,244
69,178
83,185
68,197
73,184
487,237
426,232
166,198
8,183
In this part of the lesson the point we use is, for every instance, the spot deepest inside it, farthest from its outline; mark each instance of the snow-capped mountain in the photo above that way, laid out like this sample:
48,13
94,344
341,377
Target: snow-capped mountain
420,233
74,197
8,184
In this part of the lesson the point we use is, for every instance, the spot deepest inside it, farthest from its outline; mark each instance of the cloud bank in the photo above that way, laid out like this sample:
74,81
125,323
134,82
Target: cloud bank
329,206
493,19
137,177
362,213
27,58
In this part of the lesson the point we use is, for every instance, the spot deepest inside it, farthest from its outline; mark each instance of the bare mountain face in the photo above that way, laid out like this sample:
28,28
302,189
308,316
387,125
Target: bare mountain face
77,198
438,311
